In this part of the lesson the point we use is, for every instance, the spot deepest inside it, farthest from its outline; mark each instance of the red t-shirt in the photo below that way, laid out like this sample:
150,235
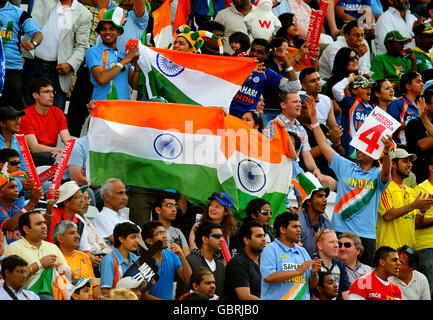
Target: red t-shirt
371,288
45,127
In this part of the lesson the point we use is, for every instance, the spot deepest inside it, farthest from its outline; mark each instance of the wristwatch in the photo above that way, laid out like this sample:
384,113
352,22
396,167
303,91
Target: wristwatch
35,43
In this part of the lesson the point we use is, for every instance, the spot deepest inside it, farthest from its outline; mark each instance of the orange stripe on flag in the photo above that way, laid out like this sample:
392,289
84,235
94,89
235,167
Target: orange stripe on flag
241,137
348,196
300,189
148,114
231,69
161,17
182,12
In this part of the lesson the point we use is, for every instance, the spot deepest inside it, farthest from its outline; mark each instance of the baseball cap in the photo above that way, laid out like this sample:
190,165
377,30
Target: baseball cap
77,284
428,84
9,112
361,81
68,189
423,28
402,154
395,36
130,283
222,198
116,16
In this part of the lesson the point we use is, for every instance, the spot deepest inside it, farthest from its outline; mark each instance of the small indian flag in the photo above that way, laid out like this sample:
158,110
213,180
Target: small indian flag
162,30
192,149
196,79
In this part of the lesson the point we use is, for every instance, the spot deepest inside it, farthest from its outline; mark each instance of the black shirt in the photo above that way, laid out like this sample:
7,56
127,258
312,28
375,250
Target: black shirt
241,271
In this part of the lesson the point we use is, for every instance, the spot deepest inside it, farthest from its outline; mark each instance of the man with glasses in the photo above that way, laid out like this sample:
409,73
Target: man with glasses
43,123
353,38
209,242
327,250
165,211
14,271
392,64
170,260
350,248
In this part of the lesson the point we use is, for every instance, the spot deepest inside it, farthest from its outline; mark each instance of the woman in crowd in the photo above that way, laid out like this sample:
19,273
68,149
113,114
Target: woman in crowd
253,118
382,94
219,211
297,48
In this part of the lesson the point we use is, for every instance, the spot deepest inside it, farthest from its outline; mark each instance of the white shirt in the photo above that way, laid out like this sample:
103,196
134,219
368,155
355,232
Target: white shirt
391,20
58,20
323,108
21,294
233,21
326,61
106,220
417,288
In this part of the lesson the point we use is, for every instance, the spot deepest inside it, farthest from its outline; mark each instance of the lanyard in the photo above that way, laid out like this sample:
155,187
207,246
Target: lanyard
12,295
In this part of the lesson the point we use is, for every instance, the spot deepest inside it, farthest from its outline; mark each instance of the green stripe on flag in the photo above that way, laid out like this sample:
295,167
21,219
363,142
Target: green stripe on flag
157,174
163,87
354,209
276,199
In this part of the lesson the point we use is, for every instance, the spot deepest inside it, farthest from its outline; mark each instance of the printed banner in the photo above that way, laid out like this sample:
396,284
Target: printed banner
31,169
378,124
61,168
49,173
145,267
317,19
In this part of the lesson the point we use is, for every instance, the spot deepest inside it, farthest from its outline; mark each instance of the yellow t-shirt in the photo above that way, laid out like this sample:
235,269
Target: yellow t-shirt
81,266
399,231
31,253
424,237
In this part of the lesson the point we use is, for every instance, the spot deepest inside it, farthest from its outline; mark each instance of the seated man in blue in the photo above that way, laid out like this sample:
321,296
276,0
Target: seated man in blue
126,236
110,69
170,261
355,107
249,94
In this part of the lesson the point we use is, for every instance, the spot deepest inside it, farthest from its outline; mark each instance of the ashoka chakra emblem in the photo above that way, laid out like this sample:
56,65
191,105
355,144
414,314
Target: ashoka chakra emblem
251,175
168,146
167,67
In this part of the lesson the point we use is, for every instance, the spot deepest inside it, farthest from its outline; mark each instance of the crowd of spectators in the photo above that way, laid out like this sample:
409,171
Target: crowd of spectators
61,55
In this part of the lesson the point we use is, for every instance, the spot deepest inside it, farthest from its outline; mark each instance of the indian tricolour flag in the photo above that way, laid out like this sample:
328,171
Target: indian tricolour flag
196,79
192,149
162,31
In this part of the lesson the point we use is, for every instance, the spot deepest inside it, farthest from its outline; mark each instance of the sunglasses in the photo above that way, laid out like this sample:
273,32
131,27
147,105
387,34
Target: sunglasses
266,212
220,196
14,163
216,235
353,58
160,234
321,232
345,244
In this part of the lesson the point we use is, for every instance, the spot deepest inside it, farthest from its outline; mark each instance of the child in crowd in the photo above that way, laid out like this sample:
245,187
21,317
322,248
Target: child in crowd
79,289
240,43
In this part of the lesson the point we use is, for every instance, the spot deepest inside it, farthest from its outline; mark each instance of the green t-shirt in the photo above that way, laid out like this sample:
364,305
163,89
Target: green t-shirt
423,60
390,68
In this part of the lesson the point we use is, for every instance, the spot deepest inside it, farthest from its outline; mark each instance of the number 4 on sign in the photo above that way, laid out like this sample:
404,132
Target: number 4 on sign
371,137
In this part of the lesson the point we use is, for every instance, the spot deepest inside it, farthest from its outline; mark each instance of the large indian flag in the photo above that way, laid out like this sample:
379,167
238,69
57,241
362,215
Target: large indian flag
192,149
196,79
163,34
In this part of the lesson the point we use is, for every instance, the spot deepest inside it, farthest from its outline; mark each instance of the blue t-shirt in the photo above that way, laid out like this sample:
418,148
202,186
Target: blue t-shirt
353,115
78,156
133,28
351,7
358,196
403,110
5,214
249,94
277,257
164,287
116,89
106,267
14,20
